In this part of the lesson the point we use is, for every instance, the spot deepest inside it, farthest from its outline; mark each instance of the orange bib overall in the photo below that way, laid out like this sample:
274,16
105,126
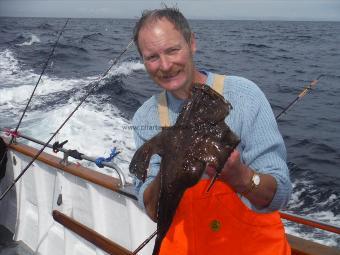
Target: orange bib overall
218,222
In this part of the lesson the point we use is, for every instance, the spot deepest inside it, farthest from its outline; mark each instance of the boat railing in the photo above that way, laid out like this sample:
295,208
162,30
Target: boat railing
90,235
310,222
67,153
127,190
299,245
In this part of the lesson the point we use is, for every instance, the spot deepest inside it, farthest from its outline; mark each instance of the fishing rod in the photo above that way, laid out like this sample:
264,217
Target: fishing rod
144,243
307,89
36,85
94,85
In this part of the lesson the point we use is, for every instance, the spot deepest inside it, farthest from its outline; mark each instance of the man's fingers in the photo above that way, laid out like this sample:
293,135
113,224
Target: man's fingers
210,170
233,158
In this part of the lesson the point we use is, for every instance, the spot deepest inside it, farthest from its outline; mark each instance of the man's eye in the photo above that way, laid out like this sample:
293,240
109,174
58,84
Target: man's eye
151,58
173,51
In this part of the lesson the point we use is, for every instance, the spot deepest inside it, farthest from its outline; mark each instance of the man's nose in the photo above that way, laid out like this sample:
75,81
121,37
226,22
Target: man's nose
165,63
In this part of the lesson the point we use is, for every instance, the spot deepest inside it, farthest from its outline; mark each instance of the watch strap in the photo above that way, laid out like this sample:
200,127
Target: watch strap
252,185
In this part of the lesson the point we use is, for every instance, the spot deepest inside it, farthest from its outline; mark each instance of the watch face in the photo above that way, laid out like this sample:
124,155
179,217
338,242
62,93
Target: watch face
256,179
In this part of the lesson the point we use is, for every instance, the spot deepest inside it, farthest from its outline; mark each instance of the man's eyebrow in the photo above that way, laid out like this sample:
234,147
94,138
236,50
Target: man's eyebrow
175,46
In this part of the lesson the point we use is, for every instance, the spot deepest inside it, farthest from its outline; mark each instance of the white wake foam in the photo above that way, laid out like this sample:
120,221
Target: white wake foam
126,68
17,84
91,131
32,39
297,202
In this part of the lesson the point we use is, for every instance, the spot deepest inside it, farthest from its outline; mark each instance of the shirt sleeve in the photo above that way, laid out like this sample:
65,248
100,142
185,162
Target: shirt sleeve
263,146
139,137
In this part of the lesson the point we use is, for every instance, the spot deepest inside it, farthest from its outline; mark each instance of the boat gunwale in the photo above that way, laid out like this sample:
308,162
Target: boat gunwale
299,245
75,169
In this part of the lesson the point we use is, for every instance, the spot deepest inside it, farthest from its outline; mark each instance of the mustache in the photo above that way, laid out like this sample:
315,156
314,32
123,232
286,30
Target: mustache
170,73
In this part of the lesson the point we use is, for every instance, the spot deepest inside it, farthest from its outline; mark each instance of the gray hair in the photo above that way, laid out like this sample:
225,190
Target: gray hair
172,14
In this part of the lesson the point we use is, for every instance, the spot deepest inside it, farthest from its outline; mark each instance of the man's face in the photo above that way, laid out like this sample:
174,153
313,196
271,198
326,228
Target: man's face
167,56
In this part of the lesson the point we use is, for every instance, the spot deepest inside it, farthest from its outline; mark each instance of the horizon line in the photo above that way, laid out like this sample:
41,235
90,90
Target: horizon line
189,18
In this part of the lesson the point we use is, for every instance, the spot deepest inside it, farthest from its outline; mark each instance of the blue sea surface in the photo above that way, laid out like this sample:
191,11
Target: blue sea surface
281,57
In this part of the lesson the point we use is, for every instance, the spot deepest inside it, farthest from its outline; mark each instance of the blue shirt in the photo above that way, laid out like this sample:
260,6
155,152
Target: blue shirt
261,147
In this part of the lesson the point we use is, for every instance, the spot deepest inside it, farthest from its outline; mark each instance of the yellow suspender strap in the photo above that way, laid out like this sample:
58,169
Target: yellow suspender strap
218,86
163,110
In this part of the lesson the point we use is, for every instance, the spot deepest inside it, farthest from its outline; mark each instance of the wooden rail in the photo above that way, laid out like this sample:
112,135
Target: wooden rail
310,222
74,169
90,235
302,246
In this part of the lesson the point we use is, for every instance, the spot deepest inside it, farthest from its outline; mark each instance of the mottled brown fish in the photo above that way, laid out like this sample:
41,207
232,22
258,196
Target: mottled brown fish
199,137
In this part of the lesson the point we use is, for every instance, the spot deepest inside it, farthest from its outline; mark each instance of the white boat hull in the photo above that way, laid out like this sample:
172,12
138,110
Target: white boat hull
95,201
27,210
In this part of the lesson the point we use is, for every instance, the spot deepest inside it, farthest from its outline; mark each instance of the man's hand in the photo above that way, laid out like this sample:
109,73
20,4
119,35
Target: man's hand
239,177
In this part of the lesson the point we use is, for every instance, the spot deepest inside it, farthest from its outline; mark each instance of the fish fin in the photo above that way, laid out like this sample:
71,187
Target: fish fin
141,159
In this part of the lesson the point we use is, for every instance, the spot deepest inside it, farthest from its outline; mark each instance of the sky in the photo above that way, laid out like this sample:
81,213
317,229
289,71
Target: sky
315,10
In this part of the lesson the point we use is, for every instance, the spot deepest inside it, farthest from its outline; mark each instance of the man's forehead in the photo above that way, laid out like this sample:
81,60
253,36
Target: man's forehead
151,23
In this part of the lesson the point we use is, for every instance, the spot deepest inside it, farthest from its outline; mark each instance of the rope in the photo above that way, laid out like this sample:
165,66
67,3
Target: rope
12,133
100,160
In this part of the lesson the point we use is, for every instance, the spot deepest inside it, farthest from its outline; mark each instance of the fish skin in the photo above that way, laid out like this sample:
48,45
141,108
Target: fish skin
199,137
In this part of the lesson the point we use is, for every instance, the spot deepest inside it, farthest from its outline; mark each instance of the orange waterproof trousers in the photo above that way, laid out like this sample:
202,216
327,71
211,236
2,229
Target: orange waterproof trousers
218,222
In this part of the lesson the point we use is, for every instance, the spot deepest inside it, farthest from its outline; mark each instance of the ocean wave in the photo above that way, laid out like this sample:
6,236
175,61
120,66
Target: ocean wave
255,45
92,37
45,26
126,68
316,197
53,91
75,49
299,71
22,81
304,37
11,73
47,86
32,39
220,51
25,80
8,62
323,148
281,57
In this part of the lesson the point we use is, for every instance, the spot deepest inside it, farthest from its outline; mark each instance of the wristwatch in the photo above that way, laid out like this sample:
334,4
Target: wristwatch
256,180
254,183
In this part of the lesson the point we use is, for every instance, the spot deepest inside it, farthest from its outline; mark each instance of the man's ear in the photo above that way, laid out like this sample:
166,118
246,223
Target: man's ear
193,43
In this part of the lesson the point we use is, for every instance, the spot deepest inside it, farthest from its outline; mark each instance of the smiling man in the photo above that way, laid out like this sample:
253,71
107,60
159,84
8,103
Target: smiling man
239,215
168,57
